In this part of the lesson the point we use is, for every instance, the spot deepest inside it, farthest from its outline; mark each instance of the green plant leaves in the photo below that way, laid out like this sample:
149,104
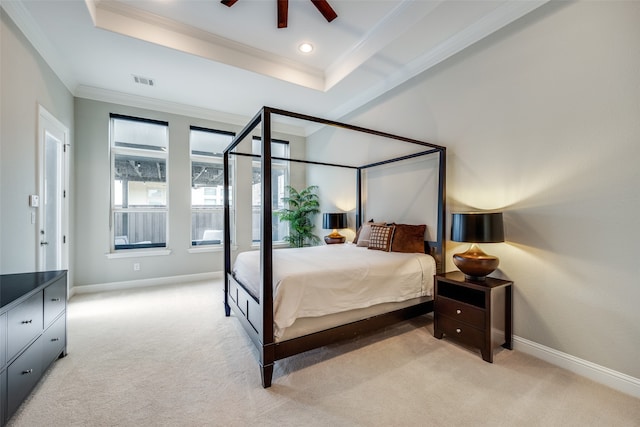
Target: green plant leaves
301,206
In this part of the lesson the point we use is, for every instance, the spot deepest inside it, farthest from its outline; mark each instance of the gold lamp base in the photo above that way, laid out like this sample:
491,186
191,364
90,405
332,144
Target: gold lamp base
335,235
334,238
475,264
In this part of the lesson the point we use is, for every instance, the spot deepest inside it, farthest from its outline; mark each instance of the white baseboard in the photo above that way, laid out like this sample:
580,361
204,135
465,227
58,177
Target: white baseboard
143,283
616,380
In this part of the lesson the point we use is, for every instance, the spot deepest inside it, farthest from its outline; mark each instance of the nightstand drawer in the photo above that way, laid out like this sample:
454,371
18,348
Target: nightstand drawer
460,331
460,311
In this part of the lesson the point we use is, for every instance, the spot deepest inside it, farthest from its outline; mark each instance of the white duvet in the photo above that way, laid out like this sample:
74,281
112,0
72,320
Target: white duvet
320,280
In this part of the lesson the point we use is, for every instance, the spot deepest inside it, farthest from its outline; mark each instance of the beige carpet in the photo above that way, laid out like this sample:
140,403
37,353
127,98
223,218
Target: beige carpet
167,356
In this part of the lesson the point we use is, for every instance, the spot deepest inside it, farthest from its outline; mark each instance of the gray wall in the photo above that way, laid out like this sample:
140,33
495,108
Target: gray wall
542,120
25,81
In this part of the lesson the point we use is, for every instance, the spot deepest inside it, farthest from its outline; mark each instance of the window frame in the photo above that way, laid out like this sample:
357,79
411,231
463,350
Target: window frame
193,245
256,209
115,151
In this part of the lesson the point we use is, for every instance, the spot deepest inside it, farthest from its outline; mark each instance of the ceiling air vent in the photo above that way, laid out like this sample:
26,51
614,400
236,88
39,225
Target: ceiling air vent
143,80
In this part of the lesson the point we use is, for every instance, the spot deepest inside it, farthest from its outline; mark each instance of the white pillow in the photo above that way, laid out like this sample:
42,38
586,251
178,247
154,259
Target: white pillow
365,233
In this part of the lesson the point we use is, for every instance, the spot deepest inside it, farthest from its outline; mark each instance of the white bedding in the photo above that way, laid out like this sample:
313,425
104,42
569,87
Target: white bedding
321,280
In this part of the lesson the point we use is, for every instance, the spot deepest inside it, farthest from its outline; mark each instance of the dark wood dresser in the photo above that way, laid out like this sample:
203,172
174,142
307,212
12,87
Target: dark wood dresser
476,313
33,332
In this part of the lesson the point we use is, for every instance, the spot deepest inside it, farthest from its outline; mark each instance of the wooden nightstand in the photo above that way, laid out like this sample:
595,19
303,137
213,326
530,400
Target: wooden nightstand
476,313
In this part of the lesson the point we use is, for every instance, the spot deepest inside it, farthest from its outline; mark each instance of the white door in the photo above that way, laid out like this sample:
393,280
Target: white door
53,211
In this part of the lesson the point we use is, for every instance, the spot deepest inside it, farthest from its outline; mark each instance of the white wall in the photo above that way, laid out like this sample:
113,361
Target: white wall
336,193
404,192
26,81
542,120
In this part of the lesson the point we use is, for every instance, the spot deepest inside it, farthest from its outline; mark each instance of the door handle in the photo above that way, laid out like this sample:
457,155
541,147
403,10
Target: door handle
44,243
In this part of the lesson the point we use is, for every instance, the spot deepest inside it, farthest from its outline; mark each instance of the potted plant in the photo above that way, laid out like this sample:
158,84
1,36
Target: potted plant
301,207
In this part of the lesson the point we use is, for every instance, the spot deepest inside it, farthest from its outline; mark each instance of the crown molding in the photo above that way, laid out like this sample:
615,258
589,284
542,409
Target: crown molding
148,103
129,21
404,16
124,19
503,15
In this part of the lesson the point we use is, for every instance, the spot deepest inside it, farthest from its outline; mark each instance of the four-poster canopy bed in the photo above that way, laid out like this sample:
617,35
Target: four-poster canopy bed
291,318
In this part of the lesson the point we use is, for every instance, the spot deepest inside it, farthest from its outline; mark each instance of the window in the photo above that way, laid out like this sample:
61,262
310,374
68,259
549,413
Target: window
207,185
279,180
139,182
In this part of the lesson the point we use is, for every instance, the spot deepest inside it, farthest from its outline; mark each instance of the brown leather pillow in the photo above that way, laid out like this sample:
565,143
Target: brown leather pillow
408,238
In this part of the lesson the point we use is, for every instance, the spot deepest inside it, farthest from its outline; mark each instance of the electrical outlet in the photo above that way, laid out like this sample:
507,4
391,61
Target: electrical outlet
136,266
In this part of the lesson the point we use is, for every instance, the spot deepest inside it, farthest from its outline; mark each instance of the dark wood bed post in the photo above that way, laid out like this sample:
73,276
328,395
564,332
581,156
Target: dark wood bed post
267,352
442,202
358,198
227,206
227,233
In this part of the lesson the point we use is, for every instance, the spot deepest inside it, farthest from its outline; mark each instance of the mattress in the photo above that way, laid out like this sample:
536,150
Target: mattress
323,280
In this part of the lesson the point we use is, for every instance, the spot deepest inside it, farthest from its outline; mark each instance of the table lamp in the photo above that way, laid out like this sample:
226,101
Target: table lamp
334,221
476,227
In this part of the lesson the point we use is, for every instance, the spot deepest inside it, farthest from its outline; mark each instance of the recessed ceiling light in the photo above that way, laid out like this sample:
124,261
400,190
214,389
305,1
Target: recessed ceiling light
305,47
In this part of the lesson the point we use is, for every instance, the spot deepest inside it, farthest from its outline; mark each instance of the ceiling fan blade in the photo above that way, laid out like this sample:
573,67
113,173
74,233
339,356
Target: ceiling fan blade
283,11
326,10
228,3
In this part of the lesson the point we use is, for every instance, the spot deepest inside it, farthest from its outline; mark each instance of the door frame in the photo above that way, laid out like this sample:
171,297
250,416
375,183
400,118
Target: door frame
47,123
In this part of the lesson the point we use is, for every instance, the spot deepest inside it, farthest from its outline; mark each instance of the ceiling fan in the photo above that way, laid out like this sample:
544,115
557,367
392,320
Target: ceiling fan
283,9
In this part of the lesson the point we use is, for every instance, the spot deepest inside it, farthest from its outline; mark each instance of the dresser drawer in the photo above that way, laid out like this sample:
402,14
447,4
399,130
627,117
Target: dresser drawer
55,300
24,323
460,311
23,374
3,340
460,331
53,341
3,387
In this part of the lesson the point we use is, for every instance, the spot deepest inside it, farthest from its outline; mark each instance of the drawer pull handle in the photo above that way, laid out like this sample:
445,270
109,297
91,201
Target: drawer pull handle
27,372
55,299
458,311
458,330
24,322
55,339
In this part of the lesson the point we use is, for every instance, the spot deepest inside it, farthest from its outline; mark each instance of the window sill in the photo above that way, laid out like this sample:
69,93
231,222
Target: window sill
200,249
273,245
133,253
